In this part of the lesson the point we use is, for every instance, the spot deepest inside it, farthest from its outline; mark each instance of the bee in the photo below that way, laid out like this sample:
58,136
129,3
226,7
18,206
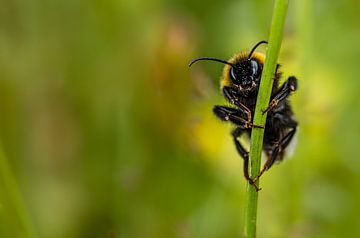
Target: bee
240,83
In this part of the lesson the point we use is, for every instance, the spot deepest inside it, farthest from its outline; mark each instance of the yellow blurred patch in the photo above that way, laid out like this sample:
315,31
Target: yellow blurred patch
211,137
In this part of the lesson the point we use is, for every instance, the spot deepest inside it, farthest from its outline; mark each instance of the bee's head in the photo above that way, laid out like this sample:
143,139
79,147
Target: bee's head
244,73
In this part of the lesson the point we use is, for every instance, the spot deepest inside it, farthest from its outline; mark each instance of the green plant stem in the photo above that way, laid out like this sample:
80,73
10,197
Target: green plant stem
257,135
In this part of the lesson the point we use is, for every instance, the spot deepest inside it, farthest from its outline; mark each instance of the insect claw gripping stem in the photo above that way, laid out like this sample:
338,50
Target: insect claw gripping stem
272,105
257,126
253,183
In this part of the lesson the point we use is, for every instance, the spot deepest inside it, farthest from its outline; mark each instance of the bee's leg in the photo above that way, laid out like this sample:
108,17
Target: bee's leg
271,157
233,96
234,115
289,86
244,154
277,72
276,149
277,68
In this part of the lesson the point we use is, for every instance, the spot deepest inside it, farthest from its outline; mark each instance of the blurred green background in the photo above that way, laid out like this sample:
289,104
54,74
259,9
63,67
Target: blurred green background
105,131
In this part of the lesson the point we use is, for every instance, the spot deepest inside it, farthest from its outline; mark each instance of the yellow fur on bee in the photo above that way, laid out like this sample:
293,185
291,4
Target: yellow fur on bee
225,78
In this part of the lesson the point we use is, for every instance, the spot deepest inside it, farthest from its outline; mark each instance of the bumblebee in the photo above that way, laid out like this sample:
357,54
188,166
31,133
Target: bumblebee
240,83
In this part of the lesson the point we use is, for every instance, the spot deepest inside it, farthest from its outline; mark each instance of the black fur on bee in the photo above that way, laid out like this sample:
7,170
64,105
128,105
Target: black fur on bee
240,85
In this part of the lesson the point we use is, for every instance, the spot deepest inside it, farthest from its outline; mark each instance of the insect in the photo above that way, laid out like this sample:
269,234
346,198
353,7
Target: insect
240,85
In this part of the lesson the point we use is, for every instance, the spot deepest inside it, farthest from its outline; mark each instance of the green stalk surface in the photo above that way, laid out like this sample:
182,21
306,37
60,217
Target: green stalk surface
257,134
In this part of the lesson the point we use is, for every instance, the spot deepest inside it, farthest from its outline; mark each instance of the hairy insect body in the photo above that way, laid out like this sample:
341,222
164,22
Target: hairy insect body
240,85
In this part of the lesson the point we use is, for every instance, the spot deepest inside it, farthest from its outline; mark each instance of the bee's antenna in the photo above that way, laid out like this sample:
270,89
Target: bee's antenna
253,49
211,59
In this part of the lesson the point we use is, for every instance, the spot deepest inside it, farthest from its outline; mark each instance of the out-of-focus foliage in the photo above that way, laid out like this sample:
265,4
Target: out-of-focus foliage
109,134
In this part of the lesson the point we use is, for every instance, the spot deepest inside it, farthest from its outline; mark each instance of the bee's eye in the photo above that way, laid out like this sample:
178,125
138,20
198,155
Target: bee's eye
232,74
254,67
